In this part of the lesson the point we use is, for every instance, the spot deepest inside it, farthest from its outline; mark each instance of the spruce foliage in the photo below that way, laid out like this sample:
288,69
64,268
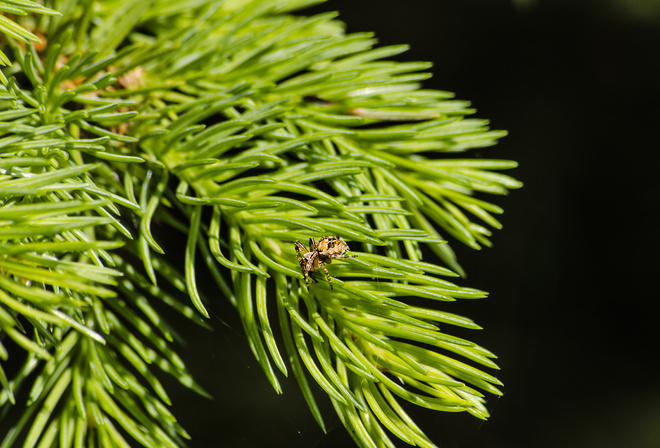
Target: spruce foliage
241,126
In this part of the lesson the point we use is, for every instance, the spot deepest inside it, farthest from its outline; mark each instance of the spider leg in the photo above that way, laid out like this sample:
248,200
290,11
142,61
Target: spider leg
301,261
327,275
343,256
299,246
312,245
309,267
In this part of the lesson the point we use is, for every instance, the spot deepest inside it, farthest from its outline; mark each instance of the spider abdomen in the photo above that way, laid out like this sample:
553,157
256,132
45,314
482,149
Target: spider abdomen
331,246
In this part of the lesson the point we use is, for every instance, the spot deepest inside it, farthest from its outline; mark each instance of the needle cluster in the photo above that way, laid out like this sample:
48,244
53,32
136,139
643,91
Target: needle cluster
243,127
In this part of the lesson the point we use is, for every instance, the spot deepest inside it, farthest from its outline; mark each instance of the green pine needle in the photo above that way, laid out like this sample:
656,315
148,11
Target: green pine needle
246,128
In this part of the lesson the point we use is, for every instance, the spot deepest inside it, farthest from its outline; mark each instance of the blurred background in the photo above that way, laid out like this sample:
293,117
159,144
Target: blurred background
573,273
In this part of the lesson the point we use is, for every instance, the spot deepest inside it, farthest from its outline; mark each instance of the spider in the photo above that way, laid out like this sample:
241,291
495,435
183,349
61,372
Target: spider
320,254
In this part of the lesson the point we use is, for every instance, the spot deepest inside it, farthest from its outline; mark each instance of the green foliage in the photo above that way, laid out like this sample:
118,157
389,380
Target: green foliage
14,30
244,127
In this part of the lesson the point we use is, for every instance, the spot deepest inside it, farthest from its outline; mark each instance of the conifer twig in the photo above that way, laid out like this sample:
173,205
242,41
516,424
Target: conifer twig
245,127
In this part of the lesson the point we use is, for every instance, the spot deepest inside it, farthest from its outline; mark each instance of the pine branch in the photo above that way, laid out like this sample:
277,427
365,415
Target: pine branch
246,128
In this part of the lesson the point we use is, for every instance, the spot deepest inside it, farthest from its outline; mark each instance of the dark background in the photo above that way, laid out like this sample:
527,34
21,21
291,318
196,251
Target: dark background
573,273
